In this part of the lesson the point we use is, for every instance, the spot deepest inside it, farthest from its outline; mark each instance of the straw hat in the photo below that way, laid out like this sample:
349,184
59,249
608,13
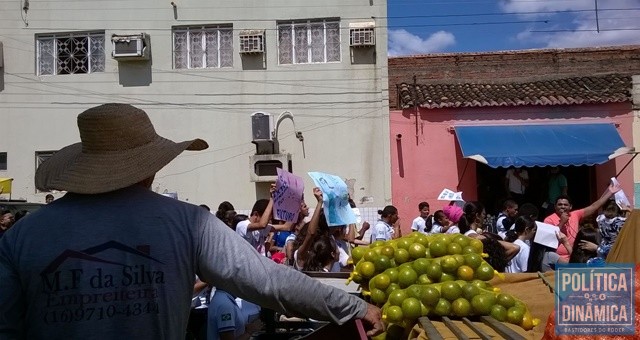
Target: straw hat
119,148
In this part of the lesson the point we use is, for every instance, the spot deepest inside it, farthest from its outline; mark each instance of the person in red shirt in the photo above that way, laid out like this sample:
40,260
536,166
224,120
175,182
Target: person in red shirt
569,221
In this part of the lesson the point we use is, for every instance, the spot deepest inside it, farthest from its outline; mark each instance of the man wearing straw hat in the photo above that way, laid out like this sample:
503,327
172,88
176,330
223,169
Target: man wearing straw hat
112,259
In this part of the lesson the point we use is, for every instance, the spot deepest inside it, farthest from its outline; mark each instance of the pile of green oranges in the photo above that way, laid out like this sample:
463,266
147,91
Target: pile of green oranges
433,275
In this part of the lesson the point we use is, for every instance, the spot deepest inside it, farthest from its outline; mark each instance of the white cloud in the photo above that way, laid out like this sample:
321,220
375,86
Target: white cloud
617,20
402,42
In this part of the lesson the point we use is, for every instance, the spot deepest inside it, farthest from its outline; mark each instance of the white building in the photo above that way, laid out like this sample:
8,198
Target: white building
200,70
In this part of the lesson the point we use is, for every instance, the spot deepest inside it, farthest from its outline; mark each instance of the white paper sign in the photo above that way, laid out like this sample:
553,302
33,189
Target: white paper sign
621,199
546,235
450,195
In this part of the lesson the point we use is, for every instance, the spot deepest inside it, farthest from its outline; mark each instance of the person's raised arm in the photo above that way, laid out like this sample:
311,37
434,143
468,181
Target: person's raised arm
562,238
313,228
612,189
266,215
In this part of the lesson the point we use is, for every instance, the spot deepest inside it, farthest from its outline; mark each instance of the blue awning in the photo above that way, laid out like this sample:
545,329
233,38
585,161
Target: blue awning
541,145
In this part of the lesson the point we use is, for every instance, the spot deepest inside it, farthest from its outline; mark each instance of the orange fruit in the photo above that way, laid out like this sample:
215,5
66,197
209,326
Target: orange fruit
393,274
421,266
449,264
370,254
424,279
381,281
469,250
499,313
394,314
450,291
386,251
401,256
422,239
476,244
377,243
461,307
417,250
429,296
382,263
447,277
391,288
506,300
473,260
484,272
396,297
460,239
469,291
411,308
434,271
515,315
407,277
443,308
465,273
482,303
378,297
454,248
357,253
366,269
404,243
437,249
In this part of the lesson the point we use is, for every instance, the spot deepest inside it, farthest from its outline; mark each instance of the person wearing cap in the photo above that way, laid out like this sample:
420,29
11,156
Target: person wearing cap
77,270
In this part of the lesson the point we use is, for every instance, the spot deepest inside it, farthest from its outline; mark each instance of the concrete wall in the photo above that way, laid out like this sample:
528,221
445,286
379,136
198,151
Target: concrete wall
341,108
425,163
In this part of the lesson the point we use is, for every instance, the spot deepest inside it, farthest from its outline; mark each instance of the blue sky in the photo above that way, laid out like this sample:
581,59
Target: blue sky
432,26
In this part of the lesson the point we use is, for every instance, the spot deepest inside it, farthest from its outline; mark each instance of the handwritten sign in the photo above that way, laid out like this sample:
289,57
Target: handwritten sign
450,195
288,196
335,198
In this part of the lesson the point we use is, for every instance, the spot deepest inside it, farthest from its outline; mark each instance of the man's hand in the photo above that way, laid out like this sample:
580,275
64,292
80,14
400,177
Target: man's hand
373,320
562,238
564,218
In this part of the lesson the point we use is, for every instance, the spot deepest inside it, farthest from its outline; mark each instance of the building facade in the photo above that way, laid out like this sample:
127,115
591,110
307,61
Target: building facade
434,98
201,69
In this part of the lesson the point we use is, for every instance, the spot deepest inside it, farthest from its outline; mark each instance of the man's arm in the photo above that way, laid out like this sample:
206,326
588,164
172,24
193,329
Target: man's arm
612,189
240,270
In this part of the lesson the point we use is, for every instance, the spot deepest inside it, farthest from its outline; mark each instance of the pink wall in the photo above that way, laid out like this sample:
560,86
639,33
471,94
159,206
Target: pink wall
428,159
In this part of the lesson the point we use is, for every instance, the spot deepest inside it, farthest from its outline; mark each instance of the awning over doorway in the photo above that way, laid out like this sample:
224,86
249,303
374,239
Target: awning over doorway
541,145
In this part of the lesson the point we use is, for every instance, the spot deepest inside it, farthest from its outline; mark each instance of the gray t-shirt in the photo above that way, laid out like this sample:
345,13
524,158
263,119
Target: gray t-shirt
121,265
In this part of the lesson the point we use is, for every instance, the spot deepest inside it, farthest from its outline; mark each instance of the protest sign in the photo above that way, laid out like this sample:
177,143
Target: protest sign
450,195
288,196
335,197
546,235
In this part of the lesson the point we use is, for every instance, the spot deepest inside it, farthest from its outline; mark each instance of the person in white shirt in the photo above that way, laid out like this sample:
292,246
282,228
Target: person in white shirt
524,230
516,182
420,222
256,229
506,217
386,229
441,222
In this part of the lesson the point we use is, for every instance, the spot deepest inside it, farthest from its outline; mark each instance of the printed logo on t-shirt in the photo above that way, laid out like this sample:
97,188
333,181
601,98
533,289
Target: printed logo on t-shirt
225,317
88,285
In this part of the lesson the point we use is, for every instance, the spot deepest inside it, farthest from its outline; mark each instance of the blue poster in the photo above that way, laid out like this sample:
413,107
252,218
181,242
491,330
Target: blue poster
335,198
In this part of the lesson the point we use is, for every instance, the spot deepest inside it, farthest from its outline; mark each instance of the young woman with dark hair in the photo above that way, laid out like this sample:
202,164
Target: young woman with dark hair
524,230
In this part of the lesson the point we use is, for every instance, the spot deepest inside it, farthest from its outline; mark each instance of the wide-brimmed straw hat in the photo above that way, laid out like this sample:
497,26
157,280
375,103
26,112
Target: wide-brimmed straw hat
119,147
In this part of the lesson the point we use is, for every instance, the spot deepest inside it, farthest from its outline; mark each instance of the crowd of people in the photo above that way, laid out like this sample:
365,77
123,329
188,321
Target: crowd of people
582,236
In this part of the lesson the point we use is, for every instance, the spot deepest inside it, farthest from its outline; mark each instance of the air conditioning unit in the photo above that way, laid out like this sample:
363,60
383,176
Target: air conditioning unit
251,42
130,47
362,37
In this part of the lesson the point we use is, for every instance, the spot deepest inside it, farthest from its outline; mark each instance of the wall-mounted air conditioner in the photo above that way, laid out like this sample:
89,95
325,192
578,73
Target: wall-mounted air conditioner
362,34
130,47
252,42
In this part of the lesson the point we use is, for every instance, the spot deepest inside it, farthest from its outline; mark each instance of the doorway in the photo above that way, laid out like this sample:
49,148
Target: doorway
492,191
